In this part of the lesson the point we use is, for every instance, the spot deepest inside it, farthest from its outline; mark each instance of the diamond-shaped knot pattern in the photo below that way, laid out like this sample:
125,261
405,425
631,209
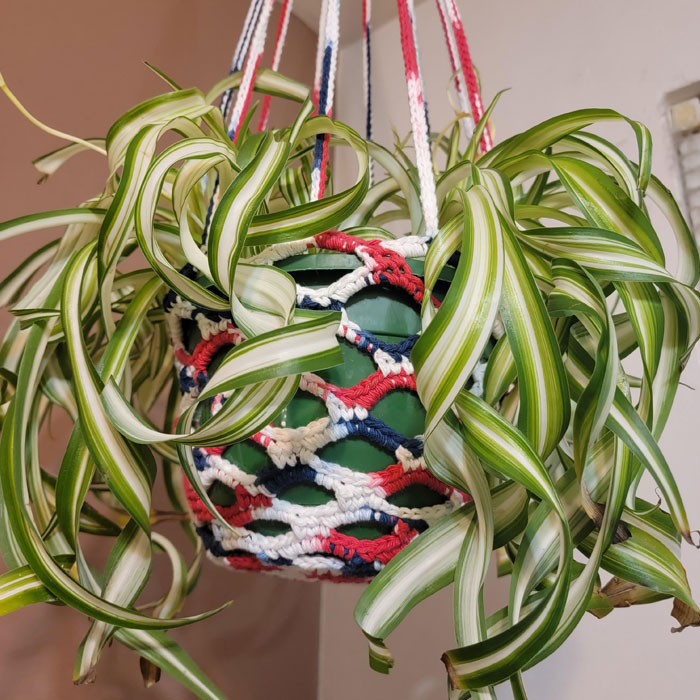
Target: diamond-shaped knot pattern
296,511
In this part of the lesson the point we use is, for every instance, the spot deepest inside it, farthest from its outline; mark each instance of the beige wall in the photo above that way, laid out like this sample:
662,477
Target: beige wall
555,55
78,65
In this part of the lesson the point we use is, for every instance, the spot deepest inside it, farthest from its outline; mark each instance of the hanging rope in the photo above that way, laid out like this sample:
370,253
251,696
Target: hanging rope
367,65
367,74
324,89
320,47
241,51
310,540
245,90
252,44
419,117
237,63
460,84
468,71
282,27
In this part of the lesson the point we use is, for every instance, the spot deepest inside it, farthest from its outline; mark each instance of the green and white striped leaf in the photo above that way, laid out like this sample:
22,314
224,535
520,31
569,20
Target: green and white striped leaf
49,163
504,449
21,587
128,470
166,654
427,564
28,538
625,422
127,571
453,342
544,396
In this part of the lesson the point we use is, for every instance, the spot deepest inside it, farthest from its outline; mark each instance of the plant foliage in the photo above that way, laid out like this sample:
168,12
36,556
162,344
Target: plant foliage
554,241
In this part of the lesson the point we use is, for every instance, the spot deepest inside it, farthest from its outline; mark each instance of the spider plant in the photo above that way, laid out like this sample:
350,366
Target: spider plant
551,240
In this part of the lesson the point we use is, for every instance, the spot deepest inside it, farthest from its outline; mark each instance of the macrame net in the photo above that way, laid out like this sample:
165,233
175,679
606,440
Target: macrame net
324,538
313,543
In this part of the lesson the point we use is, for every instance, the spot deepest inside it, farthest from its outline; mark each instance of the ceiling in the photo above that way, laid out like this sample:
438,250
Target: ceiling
350,13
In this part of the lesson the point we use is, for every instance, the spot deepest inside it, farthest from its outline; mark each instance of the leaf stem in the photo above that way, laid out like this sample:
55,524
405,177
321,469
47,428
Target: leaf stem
44,127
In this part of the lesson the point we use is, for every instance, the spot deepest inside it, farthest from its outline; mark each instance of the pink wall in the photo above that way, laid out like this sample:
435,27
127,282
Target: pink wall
78,65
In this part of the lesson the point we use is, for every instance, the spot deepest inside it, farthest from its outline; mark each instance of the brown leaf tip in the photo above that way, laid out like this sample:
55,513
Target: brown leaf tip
686,616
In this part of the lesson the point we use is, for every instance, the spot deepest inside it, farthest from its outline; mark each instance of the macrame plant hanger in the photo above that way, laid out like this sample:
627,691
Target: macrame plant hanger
316,543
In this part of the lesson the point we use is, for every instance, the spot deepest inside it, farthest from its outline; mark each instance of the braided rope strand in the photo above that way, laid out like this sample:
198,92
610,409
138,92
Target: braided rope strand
245,91
320,48
367,74
239,55
469,72
419,119
460,84
324,90
367,65
237,63
282,27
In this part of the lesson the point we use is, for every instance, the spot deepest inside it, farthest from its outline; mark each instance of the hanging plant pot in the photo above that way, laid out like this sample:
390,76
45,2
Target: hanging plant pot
349,405
337,484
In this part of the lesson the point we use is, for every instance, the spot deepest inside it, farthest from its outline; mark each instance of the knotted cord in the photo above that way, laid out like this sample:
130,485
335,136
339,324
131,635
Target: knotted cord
312,543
